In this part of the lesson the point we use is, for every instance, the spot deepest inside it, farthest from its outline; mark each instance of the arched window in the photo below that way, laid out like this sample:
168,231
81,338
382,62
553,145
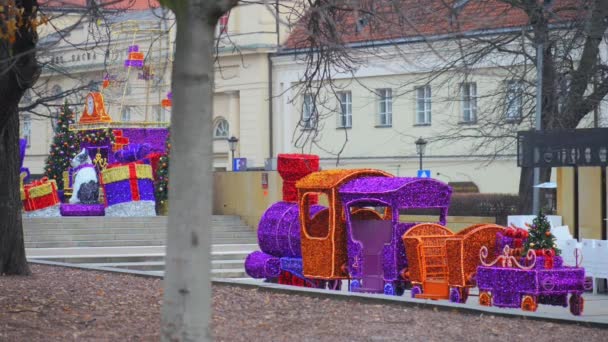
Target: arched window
221,129
56,92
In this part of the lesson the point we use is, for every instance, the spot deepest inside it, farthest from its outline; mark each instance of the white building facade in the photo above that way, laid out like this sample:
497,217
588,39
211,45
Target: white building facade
387,105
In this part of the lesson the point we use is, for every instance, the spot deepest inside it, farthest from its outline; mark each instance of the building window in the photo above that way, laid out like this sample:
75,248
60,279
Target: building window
309,112
423,105
221,129
385,107
27,96
93,86
514,100
125,116
56,93
468,94
222,23
159,113
345,117
362,22
27,128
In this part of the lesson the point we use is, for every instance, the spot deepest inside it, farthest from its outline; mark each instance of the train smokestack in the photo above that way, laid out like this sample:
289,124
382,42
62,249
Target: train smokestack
293,167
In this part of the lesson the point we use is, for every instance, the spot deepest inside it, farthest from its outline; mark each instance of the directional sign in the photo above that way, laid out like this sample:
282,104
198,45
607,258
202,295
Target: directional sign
424,173
239,164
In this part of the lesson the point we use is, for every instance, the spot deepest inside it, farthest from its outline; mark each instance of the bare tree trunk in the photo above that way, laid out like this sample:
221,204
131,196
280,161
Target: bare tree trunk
18,72
12,249
186,305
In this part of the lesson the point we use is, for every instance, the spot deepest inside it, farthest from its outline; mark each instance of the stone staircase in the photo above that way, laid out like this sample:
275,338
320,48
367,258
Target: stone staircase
132,243
122,231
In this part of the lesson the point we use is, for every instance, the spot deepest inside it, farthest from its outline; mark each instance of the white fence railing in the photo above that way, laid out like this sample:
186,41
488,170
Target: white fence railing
594,255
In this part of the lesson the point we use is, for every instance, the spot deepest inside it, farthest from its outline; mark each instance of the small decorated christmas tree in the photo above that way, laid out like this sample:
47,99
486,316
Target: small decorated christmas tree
64,147
541,240
162,178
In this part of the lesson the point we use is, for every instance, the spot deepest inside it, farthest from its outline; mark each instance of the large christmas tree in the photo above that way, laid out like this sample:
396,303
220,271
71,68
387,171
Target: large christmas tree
540,237
64,147
162,176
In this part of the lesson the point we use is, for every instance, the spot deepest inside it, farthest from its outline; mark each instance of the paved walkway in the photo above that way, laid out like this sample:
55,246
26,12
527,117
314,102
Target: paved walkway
595,312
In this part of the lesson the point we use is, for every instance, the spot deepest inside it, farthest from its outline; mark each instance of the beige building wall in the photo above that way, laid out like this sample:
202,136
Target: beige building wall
242,194
392,148
589,195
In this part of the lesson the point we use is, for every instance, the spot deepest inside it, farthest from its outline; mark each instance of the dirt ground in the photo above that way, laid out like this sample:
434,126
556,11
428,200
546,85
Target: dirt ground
60,304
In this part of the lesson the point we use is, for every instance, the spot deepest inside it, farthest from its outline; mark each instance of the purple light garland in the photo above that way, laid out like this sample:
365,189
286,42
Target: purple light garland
154,138
82,209
131,153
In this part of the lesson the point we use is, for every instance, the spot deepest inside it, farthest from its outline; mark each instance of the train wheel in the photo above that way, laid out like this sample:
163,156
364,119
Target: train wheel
588,284
485,298
389,289
455,296
285,278
316,283
464,294
399,289
354,286
416,290
528,303
335,285
577,304
295,281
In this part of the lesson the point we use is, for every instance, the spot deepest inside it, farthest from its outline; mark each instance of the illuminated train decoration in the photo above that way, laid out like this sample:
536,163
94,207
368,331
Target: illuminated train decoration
356,234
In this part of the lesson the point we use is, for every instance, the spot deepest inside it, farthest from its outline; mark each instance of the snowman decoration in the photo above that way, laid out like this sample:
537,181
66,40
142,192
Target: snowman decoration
86,185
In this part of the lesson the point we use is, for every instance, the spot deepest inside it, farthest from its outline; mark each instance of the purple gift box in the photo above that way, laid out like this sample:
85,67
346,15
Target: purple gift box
127,183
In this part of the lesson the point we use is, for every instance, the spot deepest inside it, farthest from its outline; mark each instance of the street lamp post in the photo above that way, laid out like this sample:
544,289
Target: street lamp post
232,142
420,146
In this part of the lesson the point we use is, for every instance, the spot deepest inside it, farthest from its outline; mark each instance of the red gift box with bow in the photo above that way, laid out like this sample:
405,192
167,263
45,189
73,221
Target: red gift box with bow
40,194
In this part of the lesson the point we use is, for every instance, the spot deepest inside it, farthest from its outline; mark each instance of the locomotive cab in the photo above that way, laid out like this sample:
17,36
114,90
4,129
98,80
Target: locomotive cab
323,235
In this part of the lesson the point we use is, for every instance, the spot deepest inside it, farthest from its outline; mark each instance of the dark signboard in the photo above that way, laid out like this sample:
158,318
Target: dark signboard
464,187
558,148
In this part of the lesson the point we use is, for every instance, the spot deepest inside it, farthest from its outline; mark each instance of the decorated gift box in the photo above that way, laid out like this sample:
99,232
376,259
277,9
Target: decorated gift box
513,237
129,190
39,194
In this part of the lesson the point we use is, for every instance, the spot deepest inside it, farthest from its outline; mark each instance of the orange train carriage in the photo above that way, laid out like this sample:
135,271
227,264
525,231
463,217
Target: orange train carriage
443,265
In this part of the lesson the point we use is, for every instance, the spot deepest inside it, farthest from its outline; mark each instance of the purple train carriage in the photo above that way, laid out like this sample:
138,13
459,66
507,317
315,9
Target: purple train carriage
376,253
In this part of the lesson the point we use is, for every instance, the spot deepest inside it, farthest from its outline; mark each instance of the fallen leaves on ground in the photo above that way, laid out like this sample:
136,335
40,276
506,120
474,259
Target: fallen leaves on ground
64,304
